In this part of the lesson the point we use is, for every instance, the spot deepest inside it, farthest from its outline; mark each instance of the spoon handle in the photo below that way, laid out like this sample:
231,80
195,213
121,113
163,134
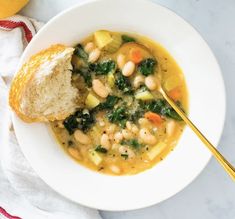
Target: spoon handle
220,158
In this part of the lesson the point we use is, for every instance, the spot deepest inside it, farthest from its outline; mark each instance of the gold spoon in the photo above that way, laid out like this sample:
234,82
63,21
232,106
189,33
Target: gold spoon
220,158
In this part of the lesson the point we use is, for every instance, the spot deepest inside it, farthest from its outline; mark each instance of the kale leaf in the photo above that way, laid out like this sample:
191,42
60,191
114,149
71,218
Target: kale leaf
123,83
127,39
100,149
132,142
103,68
146,67
80,52
81,119
118,116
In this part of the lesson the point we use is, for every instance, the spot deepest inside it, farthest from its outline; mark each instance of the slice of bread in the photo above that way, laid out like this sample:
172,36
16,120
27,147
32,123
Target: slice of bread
42,91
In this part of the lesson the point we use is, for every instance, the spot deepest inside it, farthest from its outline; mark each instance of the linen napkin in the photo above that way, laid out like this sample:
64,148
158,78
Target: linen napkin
20,182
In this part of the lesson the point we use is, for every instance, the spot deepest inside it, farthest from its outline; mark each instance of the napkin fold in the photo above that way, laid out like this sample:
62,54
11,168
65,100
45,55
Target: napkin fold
21,182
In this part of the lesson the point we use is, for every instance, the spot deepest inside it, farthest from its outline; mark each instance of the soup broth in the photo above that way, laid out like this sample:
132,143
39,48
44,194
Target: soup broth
122,124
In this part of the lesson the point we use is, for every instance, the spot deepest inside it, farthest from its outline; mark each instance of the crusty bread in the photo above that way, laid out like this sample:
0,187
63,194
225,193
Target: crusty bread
42,90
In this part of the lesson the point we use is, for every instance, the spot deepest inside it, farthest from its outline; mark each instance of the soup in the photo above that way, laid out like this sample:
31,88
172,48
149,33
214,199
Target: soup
122,124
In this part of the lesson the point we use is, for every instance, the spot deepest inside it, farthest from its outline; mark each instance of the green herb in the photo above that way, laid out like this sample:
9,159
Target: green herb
127,39
81,119
146,67
79,51
118,116
86,74
103,68
100,149
123,83
125,156
132,142
109,103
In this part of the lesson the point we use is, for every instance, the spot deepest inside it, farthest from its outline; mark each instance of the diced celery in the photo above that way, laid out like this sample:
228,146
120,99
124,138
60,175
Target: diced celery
91,101
102,38
95,157
156,150
144,95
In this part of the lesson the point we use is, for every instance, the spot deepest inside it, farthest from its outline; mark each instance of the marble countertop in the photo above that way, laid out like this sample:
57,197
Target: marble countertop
212,194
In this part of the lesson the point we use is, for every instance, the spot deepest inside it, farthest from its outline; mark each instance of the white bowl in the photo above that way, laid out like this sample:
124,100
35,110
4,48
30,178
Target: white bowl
207,107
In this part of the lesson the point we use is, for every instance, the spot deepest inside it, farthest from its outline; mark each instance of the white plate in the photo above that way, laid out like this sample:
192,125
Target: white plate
207,107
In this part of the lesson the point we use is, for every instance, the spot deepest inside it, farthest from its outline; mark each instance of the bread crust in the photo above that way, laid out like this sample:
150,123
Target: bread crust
23,79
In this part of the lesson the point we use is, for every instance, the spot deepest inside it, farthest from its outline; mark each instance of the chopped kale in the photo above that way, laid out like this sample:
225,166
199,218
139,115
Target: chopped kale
127,39
81,119
103,68
146,67
132,142
100,149
118,116
79,51
123,83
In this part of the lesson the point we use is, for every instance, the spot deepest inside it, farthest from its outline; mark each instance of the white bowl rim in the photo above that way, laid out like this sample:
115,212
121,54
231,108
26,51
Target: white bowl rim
223,108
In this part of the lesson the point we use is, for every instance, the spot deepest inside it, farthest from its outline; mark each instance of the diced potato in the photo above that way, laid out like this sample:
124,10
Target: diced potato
111,80
95,157
156,150
91,101
115,44
102,38
172,82
144,95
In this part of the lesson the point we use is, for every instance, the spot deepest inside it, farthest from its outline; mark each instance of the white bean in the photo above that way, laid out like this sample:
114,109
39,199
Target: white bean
135,129
94,55
147,137
128,69
138,80
115,169
128,125
118,137
104,141
121,61
81,137
151,82
126,134
99,88
89,47
126,150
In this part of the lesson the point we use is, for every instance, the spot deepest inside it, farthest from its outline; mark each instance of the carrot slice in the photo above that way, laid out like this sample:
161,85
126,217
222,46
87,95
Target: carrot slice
136,56
175,94
154,118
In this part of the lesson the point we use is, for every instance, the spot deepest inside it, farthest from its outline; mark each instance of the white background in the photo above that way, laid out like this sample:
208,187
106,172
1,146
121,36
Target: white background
212,194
